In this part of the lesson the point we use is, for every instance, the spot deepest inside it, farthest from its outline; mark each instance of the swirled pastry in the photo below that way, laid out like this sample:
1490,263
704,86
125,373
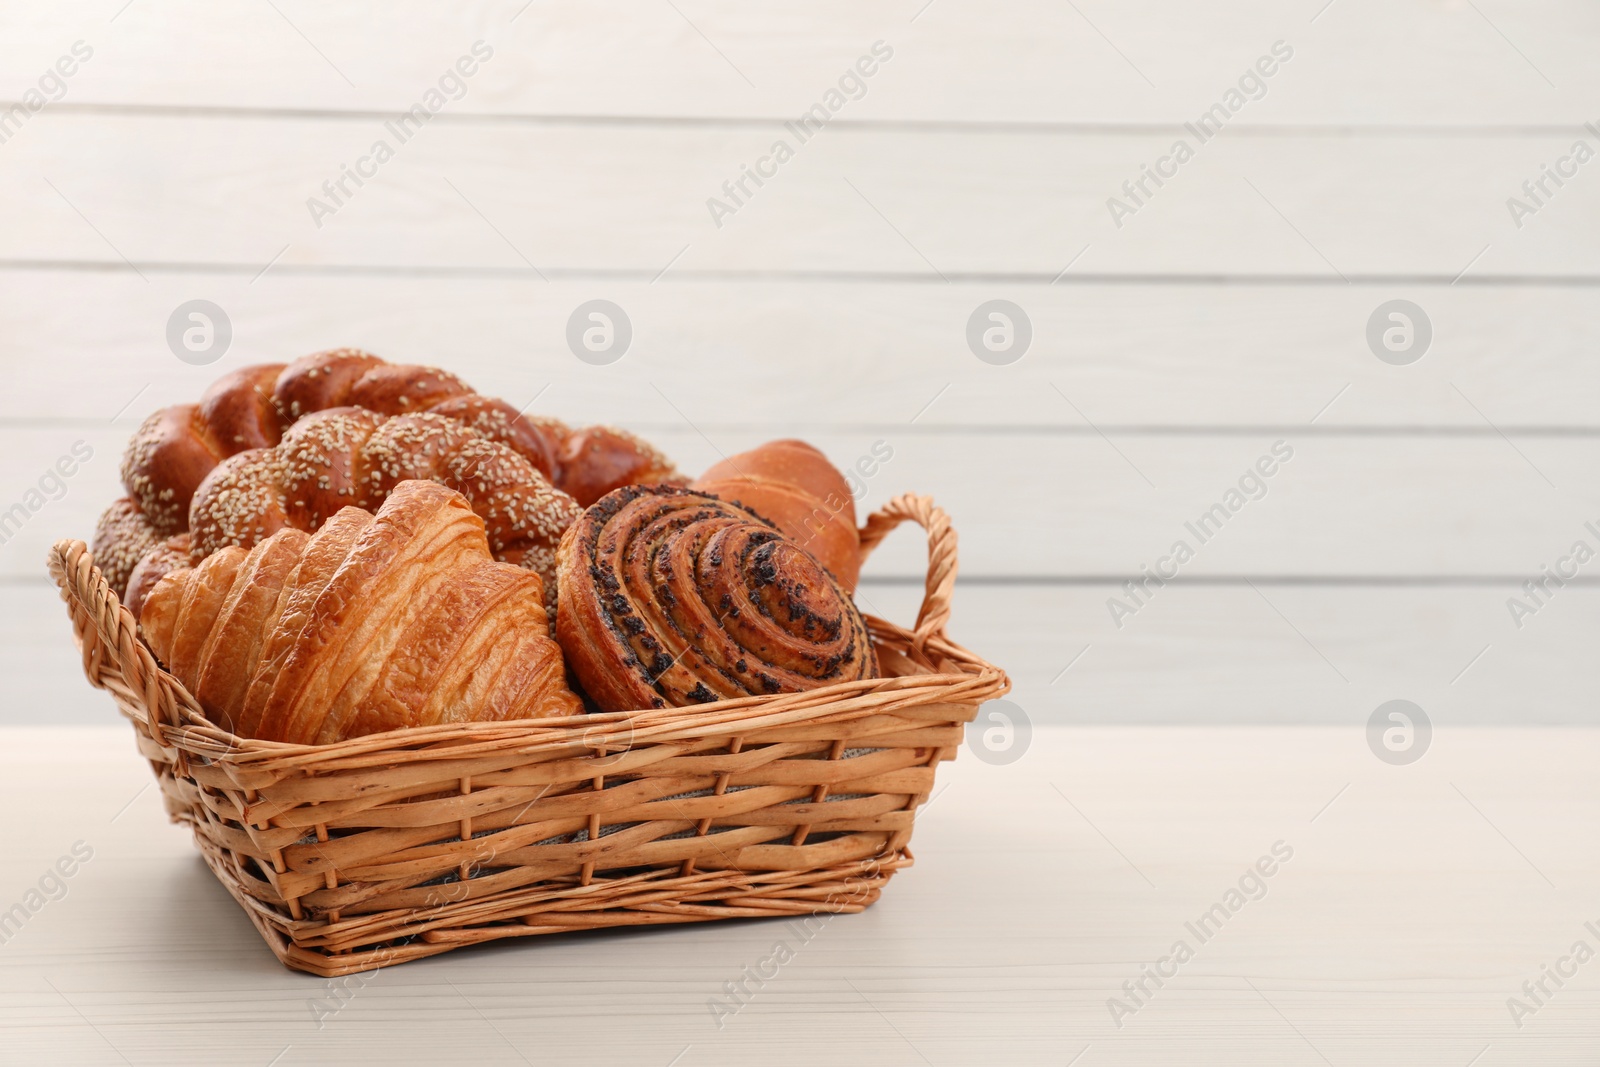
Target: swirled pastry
670,597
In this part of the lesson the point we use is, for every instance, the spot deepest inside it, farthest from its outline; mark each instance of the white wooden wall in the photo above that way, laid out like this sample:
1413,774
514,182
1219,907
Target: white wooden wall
1168,353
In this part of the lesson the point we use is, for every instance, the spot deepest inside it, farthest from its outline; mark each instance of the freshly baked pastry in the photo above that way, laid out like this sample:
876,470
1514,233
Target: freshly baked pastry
597,459
165,556
122,536
793,486
585,464
177,447
353,456
373,623
670,597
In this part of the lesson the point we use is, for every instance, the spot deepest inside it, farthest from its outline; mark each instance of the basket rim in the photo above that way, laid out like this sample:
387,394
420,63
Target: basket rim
586,731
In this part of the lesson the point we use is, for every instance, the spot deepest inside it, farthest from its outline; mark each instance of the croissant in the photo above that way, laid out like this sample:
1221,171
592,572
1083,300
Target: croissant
793,486
670,597
177,447
352,456
373,623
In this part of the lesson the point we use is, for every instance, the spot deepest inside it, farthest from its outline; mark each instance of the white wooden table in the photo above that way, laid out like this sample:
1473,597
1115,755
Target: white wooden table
1418,899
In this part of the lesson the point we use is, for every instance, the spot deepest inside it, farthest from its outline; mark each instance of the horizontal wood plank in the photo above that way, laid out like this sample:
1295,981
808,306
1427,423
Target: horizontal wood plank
158,191
1191,654
840,354
1041,505
955,60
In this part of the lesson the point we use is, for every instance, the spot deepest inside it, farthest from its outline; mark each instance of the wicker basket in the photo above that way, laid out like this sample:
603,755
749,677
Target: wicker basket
406,844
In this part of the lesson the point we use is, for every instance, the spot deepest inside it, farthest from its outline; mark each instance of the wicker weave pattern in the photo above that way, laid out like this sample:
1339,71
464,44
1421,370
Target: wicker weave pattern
396,846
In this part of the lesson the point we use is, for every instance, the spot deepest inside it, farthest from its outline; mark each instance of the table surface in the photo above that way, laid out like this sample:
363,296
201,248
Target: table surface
1414,903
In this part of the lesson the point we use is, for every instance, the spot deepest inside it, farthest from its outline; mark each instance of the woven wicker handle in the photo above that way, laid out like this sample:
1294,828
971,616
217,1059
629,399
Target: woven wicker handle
941,580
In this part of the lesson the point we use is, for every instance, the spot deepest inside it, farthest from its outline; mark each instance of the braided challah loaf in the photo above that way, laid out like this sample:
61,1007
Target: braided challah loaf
122,538
351,456
176,448
586,464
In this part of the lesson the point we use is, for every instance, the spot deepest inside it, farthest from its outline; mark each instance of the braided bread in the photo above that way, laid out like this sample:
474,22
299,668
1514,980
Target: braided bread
372,623
176,447
670,597
252,408
121,538
355,457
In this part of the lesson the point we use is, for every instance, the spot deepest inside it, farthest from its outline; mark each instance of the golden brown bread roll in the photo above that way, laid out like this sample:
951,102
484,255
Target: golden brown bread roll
176,448
373,623
793,486
670,597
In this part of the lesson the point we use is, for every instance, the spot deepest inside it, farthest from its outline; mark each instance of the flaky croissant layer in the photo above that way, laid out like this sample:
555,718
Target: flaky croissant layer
373,623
